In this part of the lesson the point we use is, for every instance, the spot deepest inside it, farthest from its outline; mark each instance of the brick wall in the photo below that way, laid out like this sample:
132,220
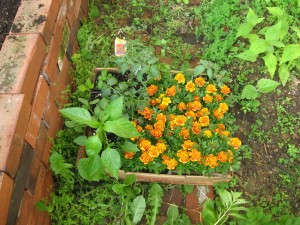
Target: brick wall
34,66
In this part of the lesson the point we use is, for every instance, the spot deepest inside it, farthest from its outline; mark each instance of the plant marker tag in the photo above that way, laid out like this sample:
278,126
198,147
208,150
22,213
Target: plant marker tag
120,48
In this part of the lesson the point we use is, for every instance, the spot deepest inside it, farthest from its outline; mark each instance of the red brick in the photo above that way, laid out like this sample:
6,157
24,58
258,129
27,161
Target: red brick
6,187
39,101
85,7
71,11
48,186
20,61
41,140
14,113
77,10
171,196
36,16
57,38
47,220
47,153
64,45
26,205
64,80
33,175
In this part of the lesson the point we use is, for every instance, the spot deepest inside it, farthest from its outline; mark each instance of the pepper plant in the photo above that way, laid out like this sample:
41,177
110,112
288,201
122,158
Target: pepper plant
101,122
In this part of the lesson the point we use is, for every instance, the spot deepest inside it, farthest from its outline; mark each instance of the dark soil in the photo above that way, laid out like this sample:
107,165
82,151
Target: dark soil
8,10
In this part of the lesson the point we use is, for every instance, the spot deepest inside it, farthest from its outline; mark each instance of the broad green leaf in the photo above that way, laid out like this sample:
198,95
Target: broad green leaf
118,188
121,127
248,56
41,206
91,168
138,207
252,18
266,85
236,215
81,140
249,92
156,190
199,70
208,214
290,52
297,30
244,29
93,12
172,214
84,101
93,145
276,11
273,33
112,161
129,180
115,108
77,115
283,73
112,81
103,103
259,46
129,147
252,37
271,63
188,188
278,44
226,197
59,166
284,29
154,71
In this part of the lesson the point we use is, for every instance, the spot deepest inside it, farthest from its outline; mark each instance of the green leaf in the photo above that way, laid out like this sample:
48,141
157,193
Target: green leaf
118,188
252,18
91,168
129,147
112,161
77,115
172,214
138,208
199,70
115,108
93,12
252,37
248,56
93,145
103,103
81,140
284,29
259,46
244,30
249,92
208,214
188,188
271,63
273,33
129,180
290,52
266,85
226,197
276,11
283,73
41,206
156,190
121,127
59,166
297,30
112,81
278,44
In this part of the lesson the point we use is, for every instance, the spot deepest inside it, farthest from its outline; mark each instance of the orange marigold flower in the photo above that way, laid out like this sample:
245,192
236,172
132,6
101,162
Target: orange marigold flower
218,97
218,114
208,98
221,126
194,106
162,107
148,127
183,156
185,133
225,133
200,81
180,78
158,100
180,120
211,161
207,133
147,113
181,106
171,91
223,107
145,158
156,133
203,112
211,89
235,143
152,89
129,155
204,121
222,156
161,147
225,89
172,124
188,144
195,155
144,144
162,117
159,125
153,151
166,101
171,164
197,98
196,129
190,86
191,114
153,102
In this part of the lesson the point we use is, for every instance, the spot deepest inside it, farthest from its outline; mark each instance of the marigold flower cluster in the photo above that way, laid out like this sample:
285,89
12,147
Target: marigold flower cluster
185,125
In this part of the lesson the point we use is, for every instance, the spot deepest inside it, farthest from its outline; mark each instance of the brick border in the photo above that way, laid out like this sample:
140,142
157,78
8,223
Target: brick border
34,66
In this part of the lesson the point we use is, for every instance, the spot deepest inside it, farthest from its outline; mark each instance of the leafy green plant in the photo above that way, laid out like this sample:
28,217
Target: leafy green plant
104,120
269,41
229,205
